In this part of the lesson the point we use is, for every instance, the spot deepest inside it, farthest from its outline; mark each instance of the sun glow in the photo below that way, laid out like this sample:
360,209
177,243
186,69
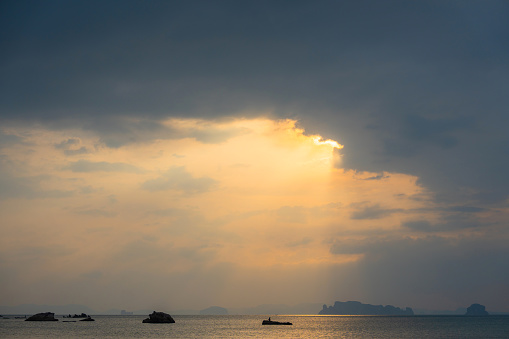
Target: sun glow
318,140
246,194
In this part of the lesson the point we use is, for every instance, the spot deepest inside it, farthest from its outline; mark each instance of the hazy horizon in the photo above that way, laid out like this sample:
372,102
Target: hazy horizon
178,155
296,309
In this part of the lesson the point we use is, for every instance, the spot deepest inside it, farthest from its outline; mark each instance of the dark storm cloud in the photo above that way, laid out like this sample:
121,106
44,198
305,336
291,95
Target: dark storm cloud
467,209
416,132
408,87
452,223
461,270
131,57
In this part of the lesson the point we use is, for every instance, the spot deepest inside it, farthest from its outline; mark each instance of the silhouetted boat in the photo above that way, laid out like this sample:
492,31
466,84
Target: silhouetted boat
272,322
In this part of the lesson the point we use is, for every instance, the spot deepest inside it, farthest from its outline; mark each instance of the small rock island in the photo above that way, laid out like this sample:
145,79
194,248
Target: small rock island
46,316
82,315
358,308
159,318
89,318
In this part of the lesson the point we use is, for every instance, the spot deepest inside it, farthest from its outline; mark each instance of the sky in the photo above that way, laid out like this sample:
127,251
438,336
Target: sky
184,154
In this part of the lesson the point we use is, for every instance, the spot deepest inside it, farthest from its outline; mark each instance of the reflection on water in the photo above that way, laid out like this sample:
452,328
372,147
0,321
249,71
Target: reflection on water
250,326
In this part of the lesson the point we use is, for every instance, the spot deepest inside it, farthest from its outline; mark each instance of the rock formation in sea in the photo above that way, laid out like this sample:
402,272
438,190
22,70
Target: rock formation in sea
159,318
358,308
89,318
477,309
216,310
46,316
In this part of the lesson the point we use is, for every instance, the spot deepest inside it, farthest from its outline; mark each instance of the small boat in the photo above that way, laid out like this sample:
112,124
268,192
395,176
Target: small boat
88,319
272,322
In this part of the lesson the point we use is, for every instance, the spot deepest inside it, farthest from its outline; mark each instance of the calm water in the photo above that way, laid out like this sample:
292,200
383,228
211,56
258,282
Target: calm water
250,327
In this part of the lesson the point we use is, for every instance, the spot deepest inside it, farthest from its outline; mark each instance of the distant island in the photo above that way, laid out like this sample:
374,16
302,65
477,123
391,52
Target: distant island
358,308
476,310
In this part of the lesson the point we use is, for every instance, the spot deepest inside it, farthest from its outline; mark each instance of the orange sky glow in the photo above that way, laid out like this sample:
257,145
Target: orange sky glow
234,196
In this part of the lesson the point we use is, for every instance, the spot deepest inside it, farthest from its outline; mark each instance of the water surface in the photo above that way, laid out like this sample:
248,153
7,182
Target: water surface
235,326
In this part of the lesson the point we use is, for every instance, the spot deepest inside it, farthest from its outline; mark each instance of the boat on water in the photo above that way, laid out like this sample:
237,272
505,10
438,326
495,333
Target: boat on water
273,322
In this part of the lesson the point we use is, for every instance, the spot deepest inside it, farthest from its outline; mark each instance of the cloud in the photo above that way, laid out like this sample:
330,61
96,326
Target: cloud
420,225
71,147
467,209
298,243
14,187
68,143
364,211
408,98
452,218
184,221
85,166
9,139
179,179
214,136
79,151
417,132
419,108
87,189
349,246
377,177
116,132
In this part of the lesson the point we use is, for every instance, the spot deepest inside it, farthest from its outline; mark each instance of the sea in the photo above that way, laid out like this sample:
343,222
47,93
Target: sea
250,326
